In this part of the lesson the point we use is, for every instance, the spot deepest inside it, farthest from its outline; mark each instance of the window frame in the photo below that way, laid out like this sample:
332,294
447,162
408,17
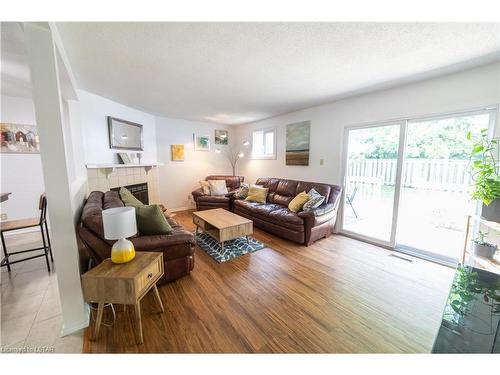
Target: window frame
273,156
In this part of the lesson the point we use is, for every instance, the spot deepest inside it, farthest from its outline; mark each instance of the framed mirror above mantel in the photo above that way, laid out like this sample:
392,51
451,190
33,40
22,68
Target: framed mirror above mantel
125,135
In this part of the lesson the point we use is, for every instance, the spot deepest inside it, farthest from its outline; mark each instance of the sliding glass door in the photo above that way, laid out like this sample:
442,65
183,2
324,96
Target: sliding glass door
407,185
370,181
435,188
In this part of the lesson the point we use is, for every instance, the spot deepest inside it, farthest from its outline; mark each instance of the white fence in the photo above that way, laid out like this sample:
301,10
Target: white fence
431,174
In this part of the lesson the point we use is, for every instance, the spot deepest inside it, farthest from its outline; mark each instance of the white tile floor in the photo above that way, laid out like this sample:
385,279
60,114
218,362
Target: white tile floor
30,308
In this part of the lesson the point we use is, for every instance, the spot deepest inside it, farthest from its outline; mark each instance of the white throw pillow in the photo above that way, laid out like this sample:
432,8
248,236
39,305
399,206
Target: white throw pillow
217,187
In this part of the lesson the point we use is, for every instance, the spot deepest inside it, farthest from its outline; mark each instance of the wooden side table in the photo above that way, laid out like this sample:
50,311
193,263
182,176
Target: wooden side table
125,284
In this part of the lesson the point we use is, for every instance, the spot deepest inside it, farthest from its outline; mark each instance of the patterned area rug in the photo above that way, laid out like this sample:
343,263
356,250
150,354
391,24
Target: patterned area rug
232,249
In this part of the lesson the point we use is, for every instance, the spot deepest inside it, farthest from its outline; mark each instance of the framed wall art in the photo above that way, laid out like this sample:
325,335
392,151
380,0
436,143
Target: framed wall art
18,138
124,135
201,142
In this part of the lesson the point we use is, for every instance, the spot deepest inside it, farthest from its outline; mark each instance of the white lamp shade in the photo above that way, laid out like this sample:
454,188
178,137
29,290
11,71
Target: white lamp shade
119,223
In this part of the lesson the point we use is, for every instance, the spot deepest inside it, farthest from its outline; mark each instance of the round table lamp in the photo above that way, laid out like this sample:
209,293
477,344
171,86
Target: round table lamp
120,223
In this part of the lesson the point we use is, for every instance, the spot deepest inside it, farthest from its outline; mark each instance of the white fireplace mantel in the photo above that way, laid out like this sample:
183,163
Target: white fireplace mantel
110,168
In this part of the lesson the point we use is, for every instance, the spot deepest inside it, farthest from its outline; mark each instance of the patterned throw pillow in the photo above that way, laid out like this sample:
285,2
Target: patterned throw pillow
217,187
242,192
205,187
315,200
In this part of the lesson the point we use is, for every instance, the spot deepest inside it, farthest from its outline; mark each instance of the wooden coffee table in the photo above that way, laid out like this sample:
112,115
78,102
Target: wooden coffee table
222,225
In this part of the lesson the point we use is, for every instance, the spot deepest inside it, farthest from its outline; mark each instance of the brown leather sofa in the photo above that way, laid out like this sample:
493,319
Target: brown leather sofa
303,227
177,248
207,202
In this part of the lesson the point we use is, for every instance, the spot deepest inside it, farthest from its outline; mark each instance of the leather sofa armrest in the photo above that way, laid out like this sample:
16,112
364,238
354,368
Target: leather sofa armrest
320,211
162,241
198,193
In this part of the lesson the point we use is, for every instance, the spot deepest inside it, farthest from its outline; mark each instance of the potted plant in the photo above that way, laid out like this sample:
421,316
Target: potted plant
486,175
482,248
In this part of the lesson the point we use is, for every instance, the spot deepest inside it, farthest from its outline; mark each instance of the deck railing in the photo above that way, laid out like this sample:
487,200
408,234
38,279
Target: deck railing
430,174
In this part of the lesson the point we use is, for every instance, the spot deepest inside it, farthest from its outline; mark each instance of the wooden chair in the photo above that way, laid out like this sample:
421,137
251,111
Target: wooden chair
28,223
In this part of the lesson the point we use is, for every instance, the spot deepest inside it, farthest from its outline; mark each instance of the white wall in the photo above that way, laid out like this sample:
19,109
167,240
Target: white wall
21,173
179,178
94,110
461,91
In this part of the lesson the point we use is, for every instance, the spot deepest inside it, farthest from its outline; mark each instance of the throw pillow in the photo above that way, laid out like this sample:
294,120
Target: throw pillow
205,187
151,220
217,187
257,194
315,200
129,199
296,204
242,192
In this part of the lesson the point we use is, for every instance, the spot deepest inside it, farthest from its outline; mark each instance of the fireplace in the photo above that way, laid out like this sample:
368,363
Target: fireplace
140,191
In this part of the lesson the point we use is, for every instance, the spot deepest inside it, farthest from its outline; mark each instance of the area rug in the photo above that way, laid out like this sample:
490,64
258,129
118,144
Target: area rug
232,249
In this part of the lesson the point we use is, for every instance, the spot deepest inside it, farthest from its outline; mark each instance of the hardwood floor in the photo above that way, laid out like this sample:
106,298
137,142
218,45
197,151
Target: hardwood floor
338,295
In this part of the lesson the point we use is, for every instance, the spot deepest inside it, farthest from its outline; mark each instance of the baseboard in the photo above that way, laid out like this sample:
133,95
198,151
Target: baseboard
68,330
181,209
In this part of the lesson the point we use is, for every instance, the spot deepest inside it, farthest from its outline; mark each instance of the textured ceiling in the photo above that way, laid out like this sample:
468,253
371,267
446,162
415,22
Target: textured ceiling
242,72
15,73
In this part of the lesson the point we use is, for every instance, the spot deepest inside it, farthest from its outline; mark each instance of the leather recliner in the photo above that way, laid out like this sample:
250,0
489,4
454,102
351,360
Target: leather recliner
177,247
207,202
303,227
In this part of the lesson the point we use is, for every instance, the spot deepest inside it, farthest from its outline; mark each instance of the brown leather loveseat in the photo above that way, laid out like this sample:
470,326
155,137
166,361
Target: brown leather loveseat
207,202
303,227
177,247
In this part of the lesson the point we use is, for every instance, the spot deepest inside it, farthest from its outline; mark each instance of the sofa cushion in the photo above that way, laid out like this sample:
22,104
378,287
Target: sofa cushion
151,220
112,199
232,182
322,189
287,218
213,199
264,209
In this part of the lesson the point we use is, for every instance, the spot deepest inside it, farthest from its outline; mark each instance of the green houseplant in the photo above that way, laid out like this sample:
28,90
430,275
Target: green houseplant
483,248
485,174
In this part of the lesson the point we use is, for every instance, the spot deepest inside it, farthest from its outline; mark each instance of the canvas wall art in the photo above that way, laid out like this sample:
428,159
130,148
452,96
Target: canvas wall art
221,137
177,152
201,142
17,138
297,143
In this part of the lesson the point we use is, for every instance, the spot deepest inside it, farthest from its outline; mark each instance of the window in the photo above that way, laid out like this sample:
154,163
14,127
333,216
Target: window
264,144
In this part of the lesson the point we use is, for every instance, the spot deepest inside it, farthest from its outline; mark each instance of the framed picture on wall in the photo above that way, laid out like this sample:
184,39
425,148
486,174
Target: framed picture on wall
177,152
17,138
221,137
297,143
124,135
201,142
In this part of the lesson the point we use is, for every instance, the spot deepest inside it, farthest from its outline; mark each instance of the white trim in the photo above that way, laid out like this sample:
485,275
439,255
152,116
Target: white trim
183,208
68,330
492,110
491,107
397,188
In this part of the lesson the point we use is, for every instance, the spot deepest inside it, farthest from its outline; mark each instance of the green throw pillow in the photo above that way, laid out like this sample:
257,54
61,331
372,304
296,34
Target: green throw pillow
151,220
129,199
